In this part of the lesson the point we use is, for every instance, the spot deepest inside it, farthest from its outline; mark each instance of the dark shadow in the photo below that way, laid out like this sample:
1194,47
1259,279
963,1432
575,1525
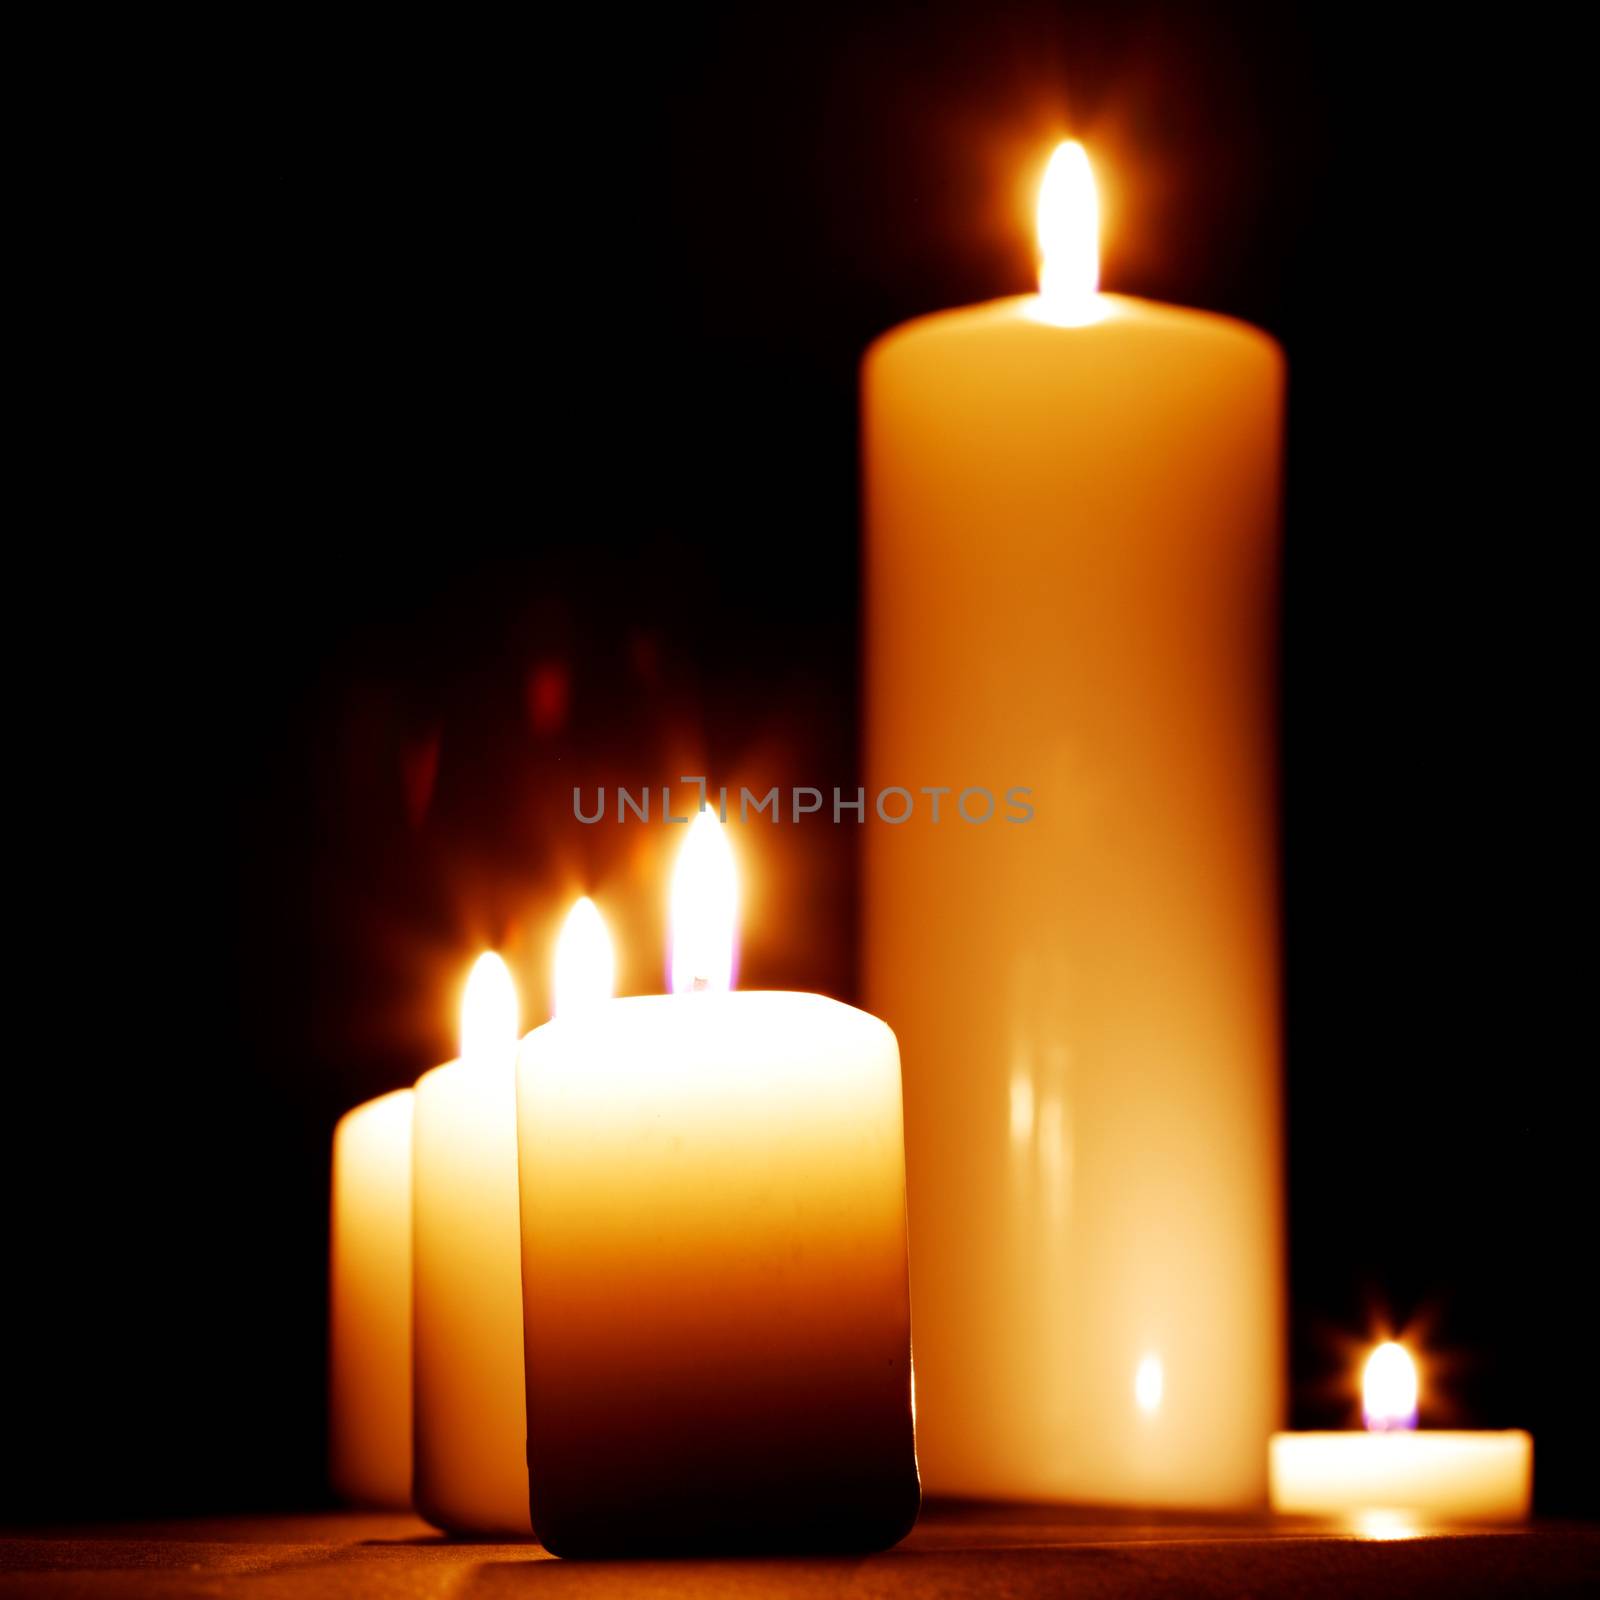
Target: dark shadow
493,1540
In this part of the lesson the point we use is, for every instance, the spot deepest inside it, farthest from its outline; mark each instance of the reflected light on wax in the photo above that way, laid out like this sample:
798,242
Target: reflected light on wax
705,909
1148,1383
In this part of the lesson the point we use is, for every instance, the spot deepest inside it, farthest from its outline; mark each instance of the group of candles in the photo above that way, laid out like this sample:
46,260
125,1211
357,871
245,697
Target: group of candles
650,1265
704,1237
639,1283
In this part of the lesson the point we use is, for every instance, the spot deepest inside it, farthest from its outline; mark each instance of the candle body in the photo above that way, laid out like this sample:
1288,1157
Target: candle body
471,1472
369,1304
1070,554
714,1255
1482,1477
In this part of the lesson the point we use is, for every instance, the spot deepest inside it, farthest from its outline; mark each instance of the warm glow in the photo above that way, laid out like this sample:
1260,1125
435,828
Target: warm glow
1069,238
1384,1526
585,966
705,905
1021,1107
489,1013
1148,1383
1389,1389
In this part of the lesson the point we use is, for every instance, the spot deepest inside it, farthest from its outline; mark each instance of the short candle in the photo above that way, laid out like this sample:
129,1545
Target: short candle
714,1262
1480,1477
369,1304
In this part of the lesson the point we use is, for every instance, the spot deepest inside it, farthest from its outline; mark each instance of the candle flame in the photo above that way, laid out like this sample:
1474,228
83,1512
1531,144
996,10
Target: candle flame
705,906
1069,239
585,966
1389,1389
489,1013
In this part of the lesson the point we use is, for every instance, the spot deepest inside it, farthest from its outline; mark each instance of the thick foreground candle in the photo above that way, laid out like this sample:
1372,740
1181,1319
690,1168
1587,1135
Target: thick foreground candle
1071,529
471,1471
369,1304
714,1264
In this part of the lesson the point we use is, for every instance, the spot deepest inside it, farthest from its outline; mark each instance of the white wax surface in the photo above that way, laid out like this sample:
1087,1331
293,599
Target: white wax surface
1485,1477
1071,548
471,1436
369,1304
714,1258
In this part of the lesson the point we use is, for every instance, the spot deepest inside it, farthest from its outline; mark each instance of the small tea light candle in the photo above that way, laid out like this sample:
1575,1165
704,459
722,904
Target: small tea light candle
714,1261
1392,1468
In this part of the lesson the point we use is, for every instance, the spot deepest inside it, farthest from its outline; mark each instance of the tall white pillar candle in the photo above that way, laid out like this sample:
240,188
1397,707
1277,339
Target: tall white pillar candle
1071,509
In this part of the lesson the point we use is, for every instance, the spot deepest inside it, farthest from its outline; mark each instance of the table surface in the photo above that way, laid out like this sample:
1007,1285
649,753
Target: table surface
1014,1552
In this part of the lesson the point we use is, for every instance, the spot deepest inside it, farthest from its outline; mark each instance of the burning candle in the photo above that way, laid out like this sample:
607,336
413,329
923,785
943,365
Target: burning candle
1391,1472
369,1304
714,1257
1071,507
471,1472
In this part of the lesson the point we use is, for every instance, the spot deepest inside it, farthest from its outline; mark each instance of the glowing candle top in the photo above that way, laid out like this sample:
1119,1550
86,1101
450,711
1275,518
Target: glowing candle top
585,965
489,1021
1069,240
1389,1390
705,909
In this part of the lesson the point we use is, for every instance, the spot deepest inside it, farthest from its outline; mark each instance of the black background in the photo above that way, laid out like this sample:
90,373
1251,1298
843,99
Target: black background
427,423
